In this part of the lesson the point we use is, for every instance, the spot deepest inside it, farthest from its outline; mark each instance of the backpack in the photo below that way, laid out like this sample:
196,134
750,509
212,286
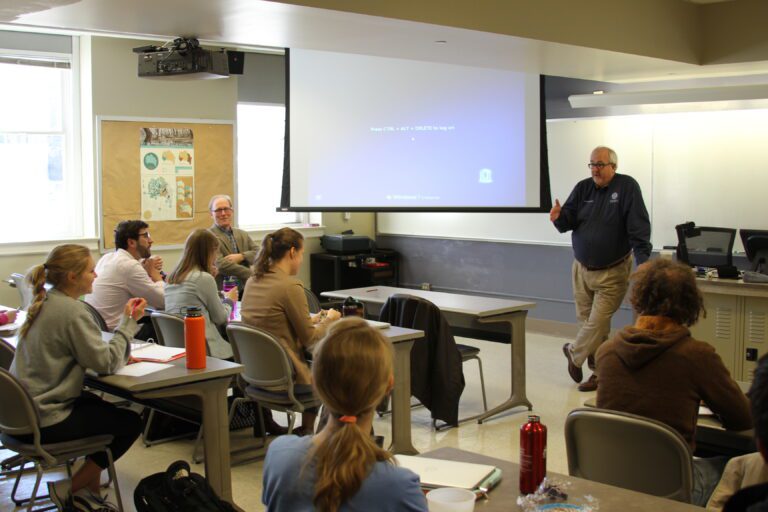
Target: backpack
177,489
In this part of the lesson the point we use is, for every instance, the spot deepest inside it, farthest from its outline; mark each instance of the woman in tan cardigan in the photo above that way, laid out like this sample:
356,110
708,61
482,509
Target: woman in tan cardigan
274,300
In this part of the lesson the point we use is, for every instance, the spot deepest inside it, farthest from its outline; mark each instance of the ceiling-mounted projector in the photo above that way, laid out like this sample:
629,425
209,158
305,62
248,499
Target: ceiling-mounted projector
184,59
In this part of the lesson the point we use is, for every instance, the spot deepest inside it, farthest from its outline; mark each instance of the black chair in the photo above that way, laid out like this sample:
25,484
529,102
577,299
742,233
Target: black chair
414,312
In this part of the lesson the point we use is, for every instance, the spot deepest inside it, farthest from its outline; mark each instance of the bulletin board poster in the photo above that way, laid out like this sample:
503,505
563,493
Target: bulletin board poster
191,161
166,162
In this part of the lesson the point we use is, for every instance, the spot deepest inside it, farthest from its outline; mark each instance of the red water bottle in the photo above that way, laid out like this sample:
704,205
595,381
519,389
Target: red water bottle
194,337
533,455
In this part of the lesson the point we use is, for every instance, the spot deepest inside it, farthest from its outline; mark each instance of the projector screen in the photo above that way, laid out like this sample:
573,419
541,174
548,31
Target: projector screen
374,133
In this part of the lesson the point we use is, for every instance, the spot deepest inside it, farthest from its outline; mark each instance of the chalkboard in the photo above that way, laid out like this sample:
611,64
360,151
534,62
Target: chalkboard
706,167
120,176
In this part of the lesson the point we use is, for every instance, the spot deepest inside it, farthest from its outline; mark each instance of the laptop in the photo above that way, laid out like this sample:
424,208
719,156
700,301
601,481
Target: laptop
436,473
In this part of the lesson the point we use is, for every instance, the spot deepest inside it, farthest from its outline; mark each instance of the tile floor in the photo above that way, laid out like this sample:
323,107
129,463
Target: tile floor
550,389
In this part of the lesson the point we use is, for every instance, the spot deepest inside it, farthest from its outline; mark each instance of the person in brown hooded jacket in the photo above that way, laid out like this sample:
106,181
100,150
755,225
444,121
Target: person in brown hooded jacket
657,370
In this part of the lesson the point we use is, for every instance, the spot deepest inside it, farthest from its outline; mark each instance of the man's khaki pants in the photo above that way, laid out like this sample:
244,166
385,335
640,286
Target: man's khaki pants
598,294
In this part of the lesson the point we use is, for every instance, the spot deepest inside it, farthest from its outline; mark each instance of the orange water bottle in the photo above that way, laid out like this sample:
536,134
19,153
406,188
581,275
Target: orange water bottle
194,337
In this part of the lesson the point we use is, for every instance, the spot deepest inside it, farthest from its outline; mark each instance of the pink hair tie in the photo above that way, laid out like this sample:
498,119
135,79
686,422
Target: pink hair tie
348,419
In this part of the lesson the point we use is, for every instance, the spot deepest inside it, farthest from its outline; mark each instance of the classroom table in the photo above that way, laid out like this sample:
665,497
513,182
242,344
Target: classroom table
610,499
482,317
209,385
402,339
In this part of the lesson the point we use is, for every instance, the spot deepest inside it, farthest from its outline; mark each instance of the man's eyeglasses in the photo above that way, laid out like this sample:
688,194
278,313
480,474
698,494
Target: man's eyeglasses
219,211
145,235
599,165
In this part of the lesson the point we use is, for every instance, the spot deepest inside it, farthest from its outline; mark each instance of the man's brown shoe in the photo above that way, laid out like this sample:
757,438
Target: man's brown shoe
590,385
573,370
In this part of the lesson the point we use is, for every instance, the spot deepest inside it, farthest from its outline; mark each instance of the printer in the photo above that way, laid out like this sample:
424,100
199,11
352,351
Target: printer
346,244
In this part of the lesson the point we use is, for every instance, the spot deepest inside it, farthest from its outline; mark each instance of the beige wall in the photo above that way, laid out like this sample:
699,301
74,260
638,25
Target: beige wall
735,32
117,91
666,29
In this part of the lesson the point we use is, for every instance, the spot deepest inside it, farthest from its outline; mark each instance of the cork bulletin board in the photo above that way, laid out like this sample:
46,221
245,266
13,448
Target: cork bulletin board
120,173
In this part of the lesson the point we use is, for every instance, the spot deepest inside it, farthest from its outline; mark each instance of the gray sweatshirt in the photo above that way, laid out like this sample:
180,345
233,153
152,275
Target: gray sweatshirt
62,343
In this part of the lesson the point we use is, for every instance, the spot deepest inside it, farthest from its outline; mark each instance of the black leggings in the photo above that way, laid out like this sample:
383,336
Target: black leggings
92,416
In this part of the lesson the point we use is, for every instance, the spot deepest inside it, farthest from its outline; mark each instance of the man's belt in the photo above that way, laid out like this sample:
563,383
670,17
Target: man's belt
610,265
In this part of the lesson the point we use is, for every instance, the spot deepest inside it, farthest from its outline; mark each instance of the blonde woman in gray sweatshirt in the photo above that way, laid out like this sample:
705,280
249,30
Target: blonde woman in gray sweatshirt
58,342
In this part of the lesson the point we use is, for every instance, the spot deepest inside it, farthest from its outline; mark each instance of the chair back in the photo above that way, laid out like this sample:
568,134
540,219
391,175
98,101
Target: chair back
7,353
169,329
312,301
265,361
96,317
25,291
18,413
629,451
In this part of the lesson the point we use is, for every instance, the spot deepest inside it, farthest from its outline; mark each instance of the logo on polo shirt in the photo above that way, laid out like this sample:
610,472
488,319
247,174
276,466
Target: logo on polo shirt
614,197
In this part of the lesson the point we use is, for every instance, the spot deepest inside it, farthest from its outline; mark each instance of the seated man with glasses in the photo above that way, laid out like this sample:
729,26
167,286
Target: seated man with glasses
609,222
237,250
129,271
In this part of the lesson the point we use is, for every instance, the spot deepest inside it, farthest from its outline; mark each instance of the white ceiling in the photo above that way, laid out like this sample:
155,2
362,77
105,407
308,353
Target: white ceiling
249,23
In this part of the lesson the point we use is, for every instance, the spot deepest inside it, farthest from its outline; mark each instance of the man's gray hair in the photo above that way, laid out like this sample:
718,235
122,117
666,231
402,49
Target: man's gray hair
612,158
216,198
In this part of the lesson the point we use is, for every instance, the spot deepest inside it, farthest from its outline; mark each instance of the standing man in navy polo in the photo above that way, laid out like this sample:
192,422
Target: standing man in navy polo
609,221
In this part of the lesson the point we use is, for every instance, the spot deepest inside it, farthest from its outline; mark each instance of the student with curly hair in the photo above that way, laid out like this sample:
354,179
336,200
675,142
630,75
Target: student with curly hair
342,468
656,369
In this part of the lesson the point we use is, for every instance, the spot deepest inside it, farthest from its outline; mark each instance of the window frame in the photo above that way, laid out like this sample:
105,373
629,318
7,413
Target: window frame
302,219
79,183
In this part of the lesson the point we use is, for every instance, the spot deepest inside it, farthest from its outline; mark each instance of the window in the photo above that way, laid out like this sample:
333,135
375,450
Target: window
39,150
260,139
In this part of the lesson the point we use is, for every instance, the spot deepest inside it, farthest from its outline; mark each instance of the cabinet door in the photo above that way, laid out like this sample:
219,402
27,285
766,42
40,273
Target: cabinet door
721,328
755,333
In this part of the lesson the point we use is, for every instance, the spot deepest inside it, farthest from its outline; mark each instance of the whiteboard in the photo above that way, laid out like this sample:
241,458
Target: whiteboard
706,167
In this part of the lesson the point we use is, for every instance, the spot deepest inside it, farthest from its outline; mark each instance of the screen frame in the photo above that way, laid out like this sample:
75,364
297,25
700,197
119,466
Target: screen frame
545,195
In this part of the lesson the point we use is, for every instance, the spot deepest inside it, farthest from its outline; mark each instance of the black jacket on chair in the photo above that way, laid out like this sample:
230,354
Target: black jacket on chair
437,379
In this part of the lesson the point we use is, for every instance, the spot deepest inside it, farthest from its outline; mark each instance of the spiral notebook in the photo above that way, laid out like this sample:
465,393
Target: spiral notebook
155,353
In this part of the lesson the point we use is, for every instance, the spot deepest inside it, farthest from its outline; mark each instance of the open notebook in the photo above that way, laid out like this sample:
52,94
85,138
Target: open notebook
436,473
155,353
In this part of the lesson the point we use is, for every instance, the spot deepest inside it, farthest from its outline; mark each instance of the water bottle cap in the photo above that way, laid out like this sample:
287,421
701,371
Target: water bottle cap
533,418
193,311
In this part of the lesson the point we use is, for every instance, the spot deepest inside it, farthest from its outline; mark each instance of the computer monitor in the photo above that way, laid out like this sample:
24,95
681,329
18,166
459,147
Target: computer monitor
701,246
756,246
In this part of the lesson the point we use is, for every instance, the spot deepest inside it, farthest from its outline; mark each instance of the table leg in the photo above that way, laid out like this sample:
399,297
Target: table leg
517,396
213,397
401,401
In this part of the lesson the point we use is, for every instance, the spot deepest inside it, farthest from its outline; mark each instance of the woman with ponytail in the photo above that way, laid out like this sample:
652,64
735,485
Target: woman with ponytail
342,468
58,342
274,300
